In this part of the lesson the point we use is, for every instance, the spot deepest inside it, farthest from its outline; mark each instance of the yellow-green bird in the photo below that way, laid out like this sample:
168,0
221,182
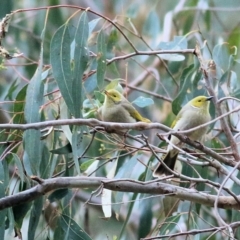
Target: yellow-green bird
116,108
193,114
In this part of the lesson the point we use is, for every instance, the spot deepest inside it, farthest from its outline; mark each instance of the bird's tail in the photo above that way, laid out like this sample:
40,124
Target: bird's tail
169,160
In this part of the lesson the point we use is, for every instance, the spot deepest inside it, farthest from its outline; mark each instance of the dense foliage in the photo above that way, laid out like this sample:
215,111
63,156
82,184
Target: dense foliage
64,173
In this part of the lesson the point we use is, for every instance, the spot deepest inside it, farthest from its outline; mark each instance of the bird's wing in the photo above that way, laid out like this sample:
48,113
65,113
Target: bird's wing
132,111
178,117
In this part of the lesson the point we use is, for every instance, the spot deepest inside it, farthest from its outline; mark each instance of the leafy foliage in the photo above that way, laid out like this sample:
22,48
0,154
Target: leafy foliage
56,64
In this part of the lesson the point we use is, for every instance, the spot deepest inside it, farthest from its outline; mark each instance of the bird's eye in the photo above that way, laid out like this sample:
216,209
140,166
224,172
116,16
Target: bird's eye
114,95
199,100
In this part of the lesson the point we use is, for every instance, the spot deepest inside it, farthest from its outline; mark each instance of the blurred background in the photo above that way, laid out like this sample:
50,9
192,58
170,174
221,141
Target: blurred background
170,80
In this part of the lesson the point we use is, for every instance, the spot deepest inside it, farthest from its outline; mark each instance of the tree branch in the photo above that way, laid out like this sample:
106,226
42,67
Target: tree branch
122,185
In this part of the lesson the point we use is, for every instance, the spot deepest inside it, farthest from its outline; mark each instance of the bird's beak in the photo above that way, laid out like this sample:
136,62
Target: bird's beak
209,98
106,92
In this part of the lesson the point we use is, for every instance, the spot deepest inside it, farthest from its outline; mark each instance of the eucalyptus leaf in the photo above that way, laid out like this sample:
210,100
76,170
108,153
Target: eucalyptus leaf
221,56
58,194
72,230
61,63
92,24
84,166
170,224
114,84
19,166
81,57
62,150
102,62
34,217
178,43
2,193
143,102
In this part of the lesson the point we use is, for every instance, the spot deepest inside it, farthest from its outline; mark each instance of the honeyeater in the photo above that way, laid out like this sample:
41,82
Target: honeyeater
116,108
193,114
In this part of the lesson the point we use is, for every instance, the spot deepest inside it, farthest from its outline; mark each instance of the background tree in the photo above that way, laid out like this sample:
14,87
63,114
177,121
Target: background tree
67,175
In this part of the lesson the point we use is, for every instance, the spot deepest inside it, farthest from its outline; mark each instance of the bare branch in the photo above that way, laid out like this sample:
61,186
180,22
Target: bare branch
122,185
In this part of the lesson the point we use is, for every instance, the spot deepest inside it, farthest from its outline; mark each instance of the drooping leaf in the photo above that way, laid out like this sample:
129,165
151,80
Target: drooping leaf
72,230
102,63
80,62
35,214
111,43
145,221
19,104
61,64
33,151
185,83
84,166
92,24
32,138
77,138
63,150
170,224
221,56
19,166
2,193
125,171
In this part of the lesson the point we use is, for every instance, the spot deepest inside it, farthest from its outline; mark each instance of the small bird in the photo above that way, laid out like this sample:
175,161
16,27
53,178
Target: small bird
116,108
193,114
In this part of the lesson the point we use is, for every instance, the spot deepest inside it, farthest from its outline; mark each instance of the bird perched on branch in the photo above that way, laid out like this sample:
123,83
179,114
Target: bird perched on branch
116,108
193,114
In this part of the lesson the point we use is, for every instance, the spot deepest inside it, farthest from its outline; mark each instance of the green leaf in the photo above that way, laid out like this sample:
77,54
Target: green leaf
133,10
125,171
84,166
114,84
2,230
19,105
99,96
111,43
145,221
234,37
63,150
143,102
68,72
178,43
34,217
33,151
11,90
21,210
169,224
77,138
60,61
58,194
102,63
221,56
9,223
185,82
34,98
45,163
2,194
80,62
133,199
19,166
72,230
151,26
31,138
92,24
